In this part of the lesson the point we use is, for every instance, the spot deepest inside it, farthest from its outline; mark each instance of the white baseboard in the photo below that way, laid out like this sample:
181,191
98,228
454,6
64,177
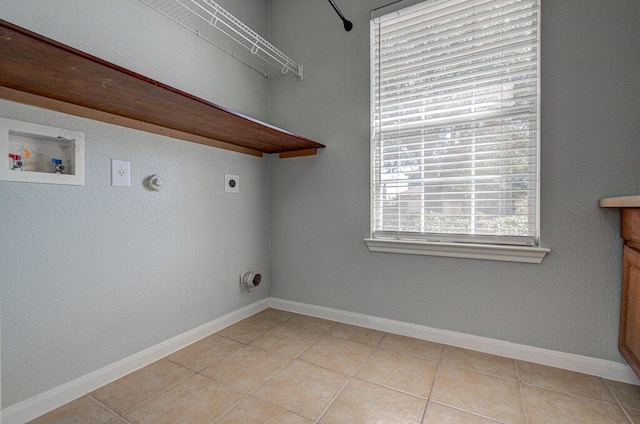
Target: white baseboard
58,396
41,404
600,367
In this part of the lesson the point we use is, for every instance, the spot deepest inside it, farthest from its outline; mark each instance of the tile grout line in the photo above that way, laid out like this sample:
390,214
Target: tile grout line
352,376
250,393
193,373
106,406
521,392
433,384
475,414
226,411
443,362
342,389
624,411
152,397
592,399
288,362
577,396
160,392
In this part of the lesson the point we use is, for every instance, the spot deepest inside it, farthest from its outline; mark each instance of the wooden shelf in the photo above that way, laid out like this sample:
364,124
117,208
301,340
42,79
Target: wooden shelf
41,72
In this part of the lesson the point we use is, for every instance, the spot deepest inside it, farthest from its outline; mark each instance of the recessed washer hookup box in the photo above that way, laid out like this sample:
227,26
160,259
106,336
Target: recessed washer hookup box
40,154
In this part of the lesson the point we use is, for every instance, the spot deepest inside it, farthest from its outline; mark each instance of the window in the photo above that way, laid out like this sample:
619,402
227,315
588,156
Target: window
455,119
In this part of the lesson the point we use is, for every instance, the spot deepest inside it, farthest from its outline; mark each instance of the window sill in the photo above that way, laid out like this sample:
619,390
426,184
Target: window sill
531,255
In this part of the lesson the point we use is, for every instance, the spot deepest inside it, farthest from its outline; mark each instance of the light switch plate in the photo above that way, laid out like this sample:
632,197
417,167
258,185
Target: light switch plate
231,183
120,173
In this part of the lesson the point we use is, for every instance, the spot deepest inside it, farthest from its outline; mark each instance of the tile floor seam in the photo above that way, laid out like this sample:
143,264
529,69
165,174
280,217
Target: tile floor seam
276,406
251,393
209,364
491,376
271,330
248,395
480,372
413,355
226,411
624,410
566,392
351,377
289,361
295,327
224,337
323,367
433,384
90,396
391,388
342,389
381,338
159,393
441,357
304,350
269,377
572,394
426,406
364,361
457,408
521,393
377,345
222,383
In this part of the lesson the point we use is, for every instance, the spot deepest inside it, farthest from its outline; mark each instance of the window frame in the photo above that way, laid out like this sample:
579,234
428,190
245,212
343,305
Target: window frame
485,247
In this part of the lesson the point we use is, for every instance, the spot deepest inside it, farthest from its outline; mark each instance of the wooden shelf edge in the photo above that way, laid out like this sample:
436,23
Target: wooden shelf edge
42,72
110,118
298,153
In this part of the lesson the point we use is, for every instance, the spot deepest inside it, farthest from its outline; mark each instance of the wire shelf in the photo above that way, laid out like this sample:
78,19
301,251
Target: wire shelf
208,20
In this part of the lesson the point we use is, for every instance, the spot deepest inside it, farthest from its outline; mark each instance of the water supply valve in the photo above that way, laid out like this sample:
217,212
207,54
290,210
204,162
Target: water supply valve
59,165
16,162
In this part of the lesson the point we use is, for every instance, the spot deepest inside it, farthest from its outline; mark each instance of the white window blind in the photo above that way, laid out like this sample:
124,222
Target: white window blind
455,88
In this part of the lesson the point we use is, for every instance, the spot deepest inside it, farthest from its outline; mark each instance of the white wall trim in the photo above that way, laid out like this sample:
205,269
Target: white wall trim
41,404
491,252
58,396
584,364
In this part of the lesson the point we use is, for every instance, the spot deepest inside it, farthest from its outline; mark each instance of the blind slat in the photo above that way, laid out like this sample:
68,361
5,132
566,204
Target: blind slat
455,122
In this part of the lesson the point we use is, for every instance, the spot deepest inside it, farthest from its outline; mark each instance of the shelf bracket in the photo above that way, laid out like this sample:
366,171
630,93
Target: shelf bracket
298,153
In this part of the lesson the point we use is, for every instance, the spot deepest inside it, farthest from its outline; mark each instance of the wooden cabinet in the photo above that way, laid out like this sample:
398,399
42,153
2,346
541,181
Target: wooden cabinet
629,337
629,333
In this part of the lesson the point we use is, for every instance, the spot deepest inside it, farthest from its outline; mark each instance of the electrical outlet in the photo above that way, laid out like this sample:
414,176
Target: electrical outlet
120,173
231,183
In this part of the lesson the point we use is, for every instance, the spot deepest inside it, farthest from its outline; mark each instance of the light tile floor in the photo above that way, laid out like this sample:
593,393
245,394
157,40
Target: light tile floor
279,367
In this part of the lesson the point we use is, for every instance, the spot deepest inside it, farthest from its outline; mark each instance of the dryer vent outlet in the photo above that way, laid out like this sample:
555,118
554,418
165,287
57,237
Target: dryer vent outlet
250,279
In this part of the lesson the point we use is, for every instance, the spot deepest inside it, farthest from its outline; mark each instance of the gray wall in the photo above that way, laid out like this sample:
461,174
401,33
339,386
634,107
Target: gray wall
590,149
93,274
98,273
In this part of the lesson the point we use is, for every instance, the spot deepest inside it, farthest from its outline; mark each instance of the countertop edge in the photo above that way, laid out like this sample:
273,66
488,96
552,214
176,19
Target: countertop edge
620,202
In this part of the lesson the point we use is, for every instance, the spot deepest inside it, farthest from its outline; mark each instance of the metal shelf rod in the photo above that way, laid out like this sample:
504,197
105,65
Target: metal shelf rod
211,22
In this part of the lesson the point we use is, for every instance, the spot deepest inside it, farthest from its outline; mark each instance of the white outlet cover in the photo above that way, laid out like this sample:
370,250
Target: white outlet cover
231,183
120,173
